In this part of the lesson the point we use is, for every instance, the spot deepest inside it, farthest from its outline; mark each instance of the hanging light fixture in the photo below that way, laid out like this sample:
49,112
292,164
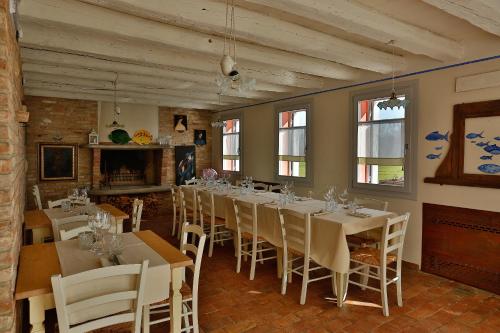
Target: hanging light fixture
116,108
230,77
218,123
393,101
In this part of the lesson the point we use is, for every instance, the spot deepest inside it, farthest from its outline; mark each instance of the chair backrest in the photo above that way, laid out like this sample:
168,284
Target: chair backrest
36,197
137,214
206,206
188,199
393,237
57,224
274,188
81,202
296,230
260,186
246,217
100,297
190,181
72,233
372,203
196,250
56,203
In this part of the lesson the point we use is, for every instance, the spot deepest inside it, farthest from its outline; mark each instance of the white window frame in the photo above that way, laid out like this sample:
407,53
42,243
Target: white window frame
409,190
230,116
308,106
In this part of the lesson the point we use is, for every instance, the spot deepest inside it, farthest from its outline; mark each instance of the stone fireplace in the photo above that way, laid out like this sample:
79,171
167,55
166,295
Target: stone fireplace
130,167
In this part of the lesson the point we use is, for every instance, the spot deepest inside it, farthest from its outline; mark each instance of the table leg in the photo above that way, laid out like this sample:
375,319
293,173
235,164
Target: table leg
339,282
176,301
37,307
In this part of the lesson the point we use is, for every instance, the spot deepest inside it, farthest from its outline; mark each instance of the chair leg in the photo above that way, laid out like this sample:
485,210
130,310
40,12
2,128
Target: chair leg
186,318
383,292
145,319
238,256
364,278
254,259
194,309
305,281
399,286
211,246
261,255
284,274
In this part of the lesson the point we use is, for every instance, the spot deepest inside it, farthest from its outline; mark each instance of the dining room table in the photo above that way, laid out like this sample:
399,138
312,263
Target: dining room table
329,229
39,221
38,262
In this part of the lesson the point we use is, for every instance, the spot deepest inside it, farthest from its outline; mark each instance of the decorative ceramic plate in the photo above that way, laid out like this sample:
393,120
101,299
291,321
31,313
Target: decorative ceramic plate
142,137
119,136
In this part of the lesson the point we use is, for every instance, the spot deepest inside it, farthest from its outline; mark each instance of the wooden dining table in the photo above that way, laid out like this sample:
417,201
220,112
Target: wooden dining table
38,262
41,226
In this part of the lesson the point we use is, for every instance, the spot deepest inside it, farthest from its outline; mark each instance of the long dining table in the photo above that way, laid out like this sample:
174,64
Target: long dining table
329,246
38,262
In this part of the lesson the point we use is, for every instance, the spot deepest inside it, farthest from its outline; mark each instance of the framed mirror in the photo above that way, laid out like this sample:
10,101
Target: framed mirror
474,155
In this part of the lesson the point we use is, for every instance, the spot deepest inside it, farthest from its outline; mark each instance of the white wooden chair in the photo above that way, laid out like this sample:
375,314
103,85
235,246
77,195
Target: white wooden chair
260,186
391,251
176,222
370,238
81,307
56,203
36,197
190,181
62,223
188,205
72,233
137,206
189,293
214,226
247,229
296,238
274,188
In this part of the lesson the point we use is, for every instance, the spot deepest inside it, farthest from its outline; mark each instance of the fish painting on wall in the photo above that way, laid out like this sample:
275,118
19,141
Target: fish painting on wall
489,168
436,136
481,152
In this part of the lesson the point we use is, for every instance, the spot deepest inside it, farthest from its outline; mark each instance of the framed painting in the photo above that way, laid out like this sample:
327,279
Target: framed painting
474,155
180,123
57,161
200,137
185,162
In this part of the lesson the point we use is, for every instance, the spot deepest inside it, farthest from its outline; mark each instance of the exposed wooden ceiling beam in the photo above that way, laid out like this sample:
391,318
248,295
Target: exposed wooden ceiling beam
37,78
78,14
122,94
105,98
209,17
484,14
85,42
367,22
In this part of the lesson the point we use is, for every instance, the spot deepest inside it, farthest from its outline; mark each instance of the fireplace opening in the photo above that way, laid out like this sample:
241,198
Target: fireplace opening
129,168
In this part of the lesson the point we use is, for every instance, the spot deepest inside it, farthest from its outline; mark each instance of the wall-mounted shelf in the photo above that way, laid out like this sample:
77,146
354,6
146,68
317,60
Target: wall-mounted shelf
126,146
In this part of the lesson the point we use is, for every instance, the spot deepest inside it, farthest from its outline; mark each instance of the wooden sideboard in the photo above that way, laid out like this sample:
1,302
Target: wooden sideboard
462,244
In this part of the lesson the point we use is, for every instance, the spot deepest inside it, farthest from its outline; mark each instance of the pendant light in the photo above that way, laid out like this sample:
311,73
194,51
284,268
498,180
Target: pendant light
116,108
393,101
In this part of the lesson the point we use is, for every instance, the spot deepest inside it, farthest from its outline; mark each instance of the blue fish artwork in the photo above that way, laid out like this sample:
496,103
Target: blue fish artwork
497,138
436,136
438,148
482,144
492,149
489,168
475,135
433,156
486,157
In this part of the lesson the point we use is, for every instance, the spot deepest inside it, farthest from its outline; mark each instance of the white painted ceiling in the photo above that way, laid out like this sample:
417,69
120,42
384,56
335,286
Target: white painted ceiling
167,52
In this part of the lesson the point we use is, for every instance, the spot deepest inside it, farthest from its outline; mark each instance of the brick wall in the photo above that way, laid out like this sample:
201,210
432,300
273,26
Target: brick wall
197,119
51,118
12,168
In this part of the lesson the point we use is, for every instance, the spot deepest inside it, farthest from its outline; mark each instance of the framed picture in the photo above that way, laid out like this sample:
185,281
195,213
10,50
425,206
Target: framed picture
180,123
185,164
93,138
57,161
200,137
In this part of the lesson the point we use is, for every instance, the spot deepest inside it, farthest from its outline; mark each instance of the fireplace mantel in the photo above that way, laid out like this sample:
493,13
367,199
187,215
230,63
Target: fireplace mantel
126,146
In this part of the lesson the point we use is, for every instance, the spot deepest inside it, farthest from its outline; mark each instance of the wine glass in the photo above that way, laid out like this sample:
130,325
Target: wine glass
343,197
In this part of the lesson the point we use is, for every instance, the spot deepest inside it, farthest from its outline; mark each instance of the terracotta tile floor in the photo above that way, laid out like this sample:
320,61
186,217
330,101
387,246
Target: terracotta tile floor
230,302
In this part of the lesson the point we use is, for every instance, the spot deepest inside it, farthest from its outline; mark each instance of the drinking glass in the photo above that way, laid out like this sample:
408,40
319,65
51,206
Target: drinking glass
116,245
343,197
85,240
66,205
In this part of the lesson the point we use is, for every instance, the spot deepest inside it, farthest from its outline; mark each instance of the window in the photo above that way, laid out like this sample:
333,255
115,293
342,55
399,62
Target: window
292,140
231,145
383,153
